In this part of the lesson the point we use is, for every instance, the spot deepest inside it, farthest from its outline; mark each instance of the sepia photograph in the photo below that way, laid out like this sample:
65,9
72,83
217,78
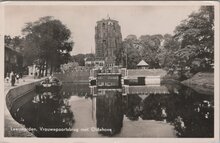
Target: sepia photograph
108,70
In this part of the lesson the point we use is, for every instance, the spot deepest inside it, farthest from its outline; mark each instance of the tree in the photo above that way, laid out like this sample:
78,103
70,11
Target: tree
80,58
8,40
131,37
133,57
47,43
134,50
14,42
191,49
198,31
150,49
167,51
128,54
69,67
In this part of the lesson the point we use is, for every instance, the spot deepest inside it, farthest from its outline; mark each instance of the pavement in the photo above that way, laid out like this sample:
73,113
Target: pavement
23,81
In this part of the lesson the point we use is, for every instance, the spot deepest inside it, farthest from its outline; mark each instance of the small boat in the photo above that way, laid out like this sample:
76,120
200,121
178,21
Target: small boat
53,84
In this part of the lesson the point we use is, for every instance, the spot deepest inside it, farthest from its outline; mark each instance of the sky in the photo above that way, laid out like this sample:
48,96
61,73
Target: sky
81,20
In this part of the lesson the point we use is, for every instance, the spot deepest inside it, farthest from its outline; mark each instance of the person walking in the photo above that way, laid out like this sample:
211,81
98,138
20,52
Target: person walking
20,75
17,78
12,77
164,114
35,75
7,77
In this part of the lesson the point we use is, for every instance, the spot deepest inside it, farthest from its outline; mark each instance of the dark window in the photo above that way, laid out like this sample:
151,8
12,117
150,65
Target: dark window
114,26
103,25
93,82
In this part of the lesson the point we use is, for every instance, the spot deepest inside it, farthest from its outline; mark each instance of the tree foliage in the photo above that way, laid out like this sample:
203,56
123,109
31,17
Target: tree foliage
68,67
7,39
197,39
134,50
167,51
47,43
132,55
14,42
150,49
81,58
128,55
190,49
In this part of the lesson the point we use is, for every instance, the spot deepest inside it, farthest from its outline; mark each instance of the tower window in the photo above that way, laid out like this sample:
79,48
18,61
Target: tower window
114,26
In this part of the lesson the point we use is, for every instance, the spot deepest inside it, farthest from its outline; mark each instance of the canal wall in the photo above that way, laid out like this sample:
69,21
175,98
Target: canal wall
17,92
75,76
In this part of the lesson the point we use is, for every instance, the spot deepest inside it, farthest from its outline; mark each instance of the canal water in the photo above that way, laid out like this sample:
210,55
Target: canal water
72,112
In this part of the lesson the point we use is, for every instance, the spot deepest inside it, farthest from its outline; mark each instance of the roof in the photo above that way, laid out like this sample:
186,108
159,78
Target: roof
145,72
142,63
13,48
106,20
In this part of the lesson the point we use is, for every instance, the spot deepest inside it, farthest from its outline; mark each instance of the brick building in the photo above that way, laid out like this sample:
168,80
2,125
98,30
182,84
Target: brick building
107,38
13,59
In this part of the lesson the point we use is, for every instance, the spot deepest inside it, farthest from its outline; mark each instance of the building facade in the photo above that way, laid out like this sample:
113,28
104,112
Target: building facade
13,59
98,64
107,38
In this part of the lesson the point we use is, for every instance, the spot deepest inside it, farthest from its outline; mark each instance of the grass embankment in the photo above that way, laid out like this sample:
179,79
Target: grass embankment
201,82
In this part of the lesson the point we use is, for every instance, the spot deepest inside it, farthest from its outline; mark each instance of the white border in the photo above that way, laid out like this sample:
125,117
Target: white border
2,72
115,140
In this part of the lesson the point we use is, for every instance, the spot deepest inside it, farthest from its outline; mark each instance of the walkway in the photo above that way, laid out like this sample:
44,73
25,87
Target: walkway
23,81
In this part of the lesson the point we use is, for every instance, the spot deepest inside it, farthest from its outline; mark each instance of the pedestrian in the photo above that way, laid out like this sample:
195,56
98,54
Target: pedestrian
12,77
17,78
20,75
164,114
35,75
7,77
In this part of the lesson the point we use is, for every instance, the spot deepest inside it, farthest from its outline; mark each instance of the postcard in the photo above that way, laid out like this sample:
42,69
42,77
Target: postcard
110,71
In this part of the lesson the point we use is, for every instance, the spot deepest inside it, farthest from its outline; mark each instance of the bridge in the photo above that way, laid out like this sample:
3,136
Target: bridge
128,82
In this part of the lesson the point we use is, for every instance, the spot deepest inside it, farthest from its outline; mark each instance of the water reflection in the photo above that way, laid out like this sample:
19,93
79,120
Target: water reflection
191,113
109,113
70,89
45,114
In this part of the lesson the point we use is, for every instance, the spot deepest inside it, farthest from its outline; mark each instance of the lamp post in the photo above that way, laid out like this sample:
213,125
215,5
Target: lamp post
126,54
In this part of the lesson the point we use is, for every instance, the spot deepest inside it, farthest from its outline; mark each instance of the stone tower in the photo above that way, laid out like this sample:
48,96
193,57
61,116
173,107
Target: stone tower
107,38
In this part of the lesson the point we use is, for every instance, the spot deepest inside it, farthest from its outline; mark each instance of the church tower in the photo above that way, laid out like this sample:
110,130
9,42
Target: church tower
107,39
